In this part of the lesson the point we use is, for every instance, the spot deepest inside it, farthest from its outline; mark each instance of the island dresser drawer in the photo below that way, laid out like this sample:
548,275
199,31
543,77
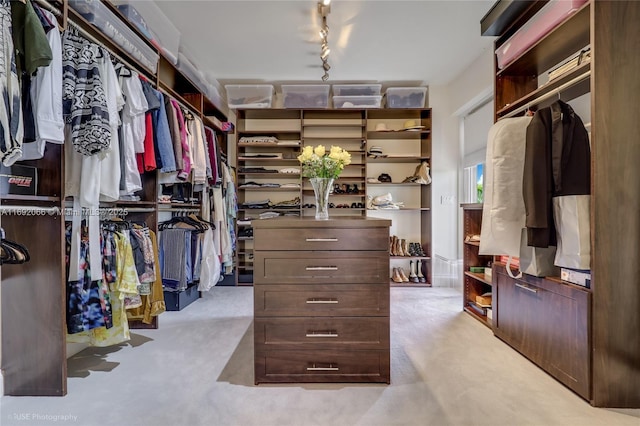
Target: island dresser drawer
274,366
324,333
282,267
350,239
321,300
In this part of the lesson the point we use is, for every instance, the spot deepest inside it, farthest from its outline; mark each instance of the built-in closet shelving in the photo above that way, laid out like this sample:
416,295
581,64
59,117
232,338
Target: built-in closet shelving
34,293
353,130
584,337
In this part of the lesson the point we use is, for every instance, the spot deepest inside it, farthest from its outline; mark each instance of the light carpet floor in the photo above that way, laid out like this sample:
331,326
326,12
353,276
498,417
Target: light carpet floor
197,369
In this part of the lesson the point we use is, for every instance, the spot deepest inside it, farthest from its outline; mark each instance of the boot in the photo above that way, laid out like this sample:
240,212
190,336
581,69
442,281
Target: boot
390,245
404,277
395,277
412,275
419,274
422,171
419,250
394,244
397,248
404,247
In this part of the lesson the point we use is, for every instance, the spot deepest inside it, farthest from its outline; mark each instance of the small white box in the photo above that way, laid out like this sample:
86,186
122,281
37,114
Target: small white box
406,97
249,95
581,277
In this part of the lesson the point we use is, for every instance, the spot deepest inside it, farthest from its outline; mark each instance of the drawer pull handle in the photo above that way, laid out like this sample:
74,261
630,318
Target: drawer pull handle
525,287
321,268
324,333
329,368
321,240
322,301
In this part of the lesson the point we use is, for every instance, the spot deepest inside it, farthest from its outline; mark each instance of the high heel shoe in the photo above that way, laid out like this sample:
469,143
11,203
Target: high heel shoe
404,277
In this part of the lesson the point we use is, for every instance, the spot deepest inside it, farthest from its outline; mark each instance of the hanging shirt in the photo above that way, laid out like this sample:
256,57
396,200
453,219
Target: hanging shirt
186,161
46,97
110,165
84,100
12,133
32,51
133,130
163,142
197,148
174,130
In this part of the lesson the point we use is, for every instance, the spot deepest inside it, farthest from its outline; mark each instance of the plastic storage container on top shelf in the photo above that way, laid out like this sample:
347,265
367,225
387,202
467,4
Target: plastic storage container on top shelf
190,70
356,101
249,95
112,26
547,18
406,97
148,17
357,89
305,95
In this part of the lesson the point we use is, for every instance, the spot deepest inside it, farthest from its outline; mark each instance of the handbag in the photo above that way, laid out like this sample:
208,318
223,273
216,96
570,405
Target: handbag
536,261
572,219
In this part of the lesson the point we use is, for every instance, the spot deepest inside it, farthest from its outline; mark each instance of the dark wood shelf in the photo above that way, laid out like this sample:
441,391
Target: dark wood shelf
398,134
410,257
550,87
571,35
264,145
474,314
269,160
479,276
267,189
473,243
266,133
398,159
334,139
333,125
395,183
18,197
275,175
409,284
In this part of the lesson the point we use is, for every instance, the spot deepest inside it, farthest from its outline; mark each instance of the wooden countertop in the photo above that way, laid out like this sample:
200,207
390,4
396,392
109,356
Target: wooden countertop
310,222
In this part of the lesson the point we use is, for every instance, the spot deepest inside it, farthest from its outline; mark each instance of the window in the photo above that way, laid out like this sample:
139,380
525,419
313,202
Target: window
476,126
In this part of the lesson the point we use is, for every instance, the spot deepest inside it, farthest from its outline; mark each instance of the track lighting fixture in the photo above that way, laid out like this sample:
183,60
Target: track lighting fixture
323,9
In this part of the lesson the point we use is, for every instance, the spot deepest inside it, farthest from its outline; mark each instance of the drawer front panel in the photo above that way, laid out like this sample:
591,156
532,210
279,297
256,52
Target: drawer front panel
362,239
283,267
322,366
321,300
325,333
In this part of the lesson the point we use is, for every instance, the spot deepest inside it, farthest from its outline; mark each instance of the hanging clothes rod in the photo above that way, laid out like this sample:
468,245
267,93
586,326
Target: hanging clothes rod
548,95
86,34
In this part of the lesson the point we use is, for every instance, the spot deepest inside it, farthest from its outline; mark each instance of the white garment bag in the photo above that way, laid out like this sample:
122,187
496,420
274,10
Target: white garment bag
572,219
503,213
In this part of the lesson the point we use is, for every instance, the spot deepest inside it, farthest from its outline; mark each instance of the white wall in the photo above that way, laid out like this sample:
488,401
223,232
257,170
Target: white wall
450,103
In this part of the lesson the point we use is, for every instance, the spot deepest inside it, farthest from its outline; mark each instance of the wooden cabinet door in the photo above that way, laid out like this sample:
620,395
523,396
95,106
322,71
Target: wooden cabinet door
548,323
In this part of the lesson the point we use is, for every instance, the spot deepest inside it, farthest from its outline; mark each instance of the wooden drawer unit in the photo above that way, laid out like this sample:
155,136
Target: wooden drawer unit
322,333
309,267
286,366
329,238
548,322
321,300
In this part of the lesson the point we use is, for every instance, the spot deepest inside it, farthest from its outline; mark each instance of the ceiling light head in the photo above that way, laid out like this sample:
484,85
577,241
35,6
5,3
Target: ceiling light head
325,77
325,53
326,2
326,66
324,9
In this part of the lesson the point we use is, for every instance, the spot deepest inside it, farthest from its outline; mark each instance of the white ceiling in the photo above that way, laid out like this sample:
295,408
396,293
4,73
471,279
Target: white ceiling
420,42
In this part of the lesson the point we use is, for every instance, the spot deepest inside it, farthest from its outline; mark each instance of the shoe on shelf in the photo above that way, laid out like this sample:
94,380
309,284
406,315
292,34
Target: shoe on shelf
405,247
412,274
421,277
404,277
395,276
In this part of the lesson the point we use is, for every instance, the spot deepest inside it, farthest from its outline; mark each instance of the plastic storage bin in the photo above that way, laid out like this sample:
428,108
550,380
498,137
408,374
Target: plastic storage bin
357,89
188,69
249,96
406,97
162,33
537,27
113,27
306,95
357,101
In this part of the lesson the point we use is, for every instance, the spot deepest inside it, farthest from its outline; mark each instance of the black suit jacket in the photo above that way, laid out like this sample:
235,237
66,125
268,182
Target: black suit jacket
557,162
